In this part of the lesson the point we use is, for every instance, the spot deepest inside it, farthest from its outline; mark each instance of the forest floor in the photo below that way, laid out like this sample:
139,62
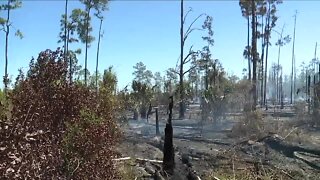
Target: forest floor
214,152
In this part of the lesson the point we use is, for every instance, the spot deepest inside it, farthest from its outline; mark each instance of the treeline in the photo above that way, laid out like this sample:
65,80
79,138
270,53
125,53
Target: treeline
74,27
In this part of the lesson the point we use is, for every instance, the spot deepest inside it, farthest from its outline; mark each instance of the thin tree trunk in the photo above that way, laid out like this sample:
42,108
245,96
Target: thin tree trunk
6,78
308,90
249,51
306,85
293,60
315,58
254,56
66,43
65,30
266,75
206,76
257,58
266,63
281,90
70,58
278,68
86,51
181,110
98,49
262,59
214,74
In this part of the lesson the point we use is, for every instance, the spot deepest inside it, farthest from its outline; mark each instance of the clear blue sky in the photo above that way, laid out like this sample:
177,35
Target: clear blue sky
148,31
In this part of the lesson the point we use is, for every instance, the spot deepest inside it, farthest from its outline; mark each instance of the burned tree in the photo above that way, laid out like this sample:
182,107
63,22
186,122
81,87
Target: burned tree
184,60
168,151
254,55
293,73
157,121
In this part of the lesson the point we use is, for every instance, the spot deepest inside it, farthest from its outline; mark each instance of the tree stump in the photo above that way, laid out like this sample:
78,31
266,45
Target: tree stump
135,115
168,151
157,122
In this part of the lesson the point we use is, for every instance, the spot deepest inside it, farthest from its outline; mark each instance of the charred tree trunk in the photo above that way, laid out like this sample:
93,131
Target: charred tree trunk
314,90
143,111
168,151
254,56
308,90
278,69
181,92
136,114
207,76
267,31
316,109
157,122
281,89
248,45
149,112
262,59
293,63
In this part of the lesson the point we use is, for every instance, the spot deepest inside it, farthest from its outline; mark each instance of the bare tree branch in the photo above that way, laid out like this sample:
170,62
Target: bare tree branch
185,16
191,52
191,68
195,20
190,26
176,72
186,59
191,30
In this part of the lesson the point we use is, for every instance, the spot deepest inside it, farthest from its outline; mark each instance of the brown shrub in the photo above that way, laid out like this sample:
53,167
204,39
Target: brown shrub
57,130
250,124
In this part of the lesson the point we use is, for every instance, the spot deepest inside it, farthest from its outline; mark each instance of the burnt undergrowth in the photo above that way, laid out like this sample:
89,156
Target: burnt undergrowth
57,129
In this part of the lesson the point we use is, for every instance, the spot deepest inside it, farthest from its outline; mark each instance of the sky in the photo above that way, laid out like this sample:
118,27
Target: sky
148,31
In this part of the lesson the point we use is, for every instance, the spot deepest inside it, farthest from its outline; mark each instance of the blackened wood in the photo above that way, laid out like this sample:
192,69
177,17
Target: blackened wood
168,151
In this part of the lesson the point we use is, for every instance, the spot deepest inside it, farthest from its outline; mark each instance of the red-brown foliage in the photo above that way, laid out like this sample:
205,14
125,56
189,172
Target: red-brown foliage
56,130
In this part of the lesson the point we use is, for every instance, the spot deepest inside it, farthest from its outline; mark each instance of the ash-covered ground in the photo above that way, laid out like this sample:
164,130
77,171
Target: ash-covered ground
214,150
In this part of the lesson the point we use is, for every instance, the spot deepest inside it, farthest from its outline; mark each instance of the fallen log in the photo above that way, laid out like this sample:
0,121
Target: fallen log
311,160
290,150
278,144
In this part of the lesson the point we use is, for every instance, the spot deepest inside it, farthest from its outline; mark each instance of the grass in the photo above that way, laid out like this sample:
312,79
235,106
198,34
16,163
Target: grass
249,173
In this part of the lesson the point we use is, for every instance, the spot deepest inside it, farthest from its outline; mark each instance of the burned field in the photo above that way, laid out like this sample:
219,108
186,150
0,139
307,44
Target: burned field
280,148
215,92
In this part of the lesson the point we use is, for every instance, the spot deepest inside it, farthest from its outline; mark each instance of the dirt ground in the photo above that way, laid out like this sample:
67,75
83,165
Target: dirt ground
211,151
